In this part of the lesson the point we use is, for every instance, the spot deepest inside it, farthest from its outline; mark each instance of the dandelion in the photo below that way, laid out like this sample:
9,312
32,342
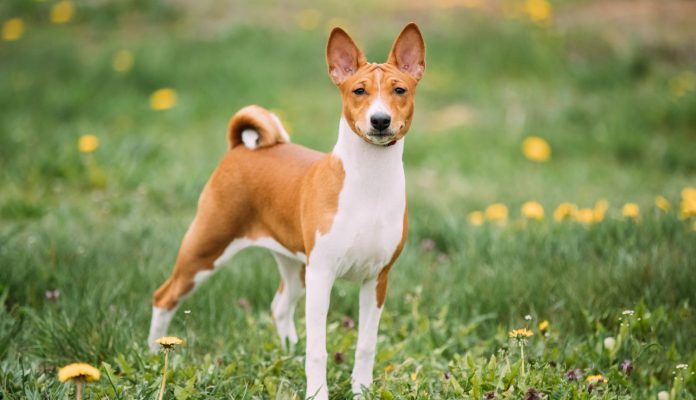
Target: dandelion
631,210
87,143
585,216
688,203
78,373
593,379
168,343
13,29
600,209
123,61
538,10
497,212
536,149
533,210
389,368
476,218
308,19
62,12
662,203
163,99
543,326
565,211
609,343
520,335
663,395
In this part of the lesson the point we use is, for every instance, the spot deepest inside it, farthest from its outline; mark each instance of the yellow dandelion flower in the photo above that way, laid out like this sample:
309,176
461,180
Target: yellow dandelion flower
87,143
80,371
497,212
163,99
123,61
414,376
532,210
476,218
389,368
585,215
169,342
536,149
565,211
12,29
683,83
687,208
520,333
538,10
62,12
662,203
591,379
543,325
308,19
631,210
600,209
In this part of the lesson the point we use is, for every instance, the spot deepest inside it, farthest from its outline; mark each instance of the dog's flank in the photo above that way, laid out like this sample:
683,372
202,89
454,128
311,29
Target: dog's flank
323,216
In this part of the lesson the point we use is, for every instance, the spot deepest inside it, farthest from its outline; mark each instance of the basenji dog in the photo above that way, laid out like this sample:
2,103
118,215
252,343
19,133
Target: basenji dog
323,216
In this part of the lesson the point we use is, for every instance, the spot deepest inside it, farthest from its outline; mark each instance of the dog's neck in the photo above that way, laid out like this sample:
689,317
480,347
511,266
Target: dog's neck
372,164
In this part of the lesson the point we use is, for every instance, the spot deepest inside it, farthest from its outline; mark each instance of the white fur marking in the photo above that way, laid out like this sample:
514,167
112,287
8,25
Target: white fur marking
250,138
161,318
366,230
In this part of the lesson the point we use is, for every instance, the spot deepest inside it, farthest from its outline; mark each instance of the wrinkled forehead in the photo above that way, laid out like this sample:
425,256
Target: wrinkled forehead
371,73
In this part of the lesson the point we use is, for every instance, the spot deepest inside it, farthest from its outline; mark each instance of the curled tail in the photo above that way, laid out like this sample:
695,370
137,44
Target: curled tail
255,127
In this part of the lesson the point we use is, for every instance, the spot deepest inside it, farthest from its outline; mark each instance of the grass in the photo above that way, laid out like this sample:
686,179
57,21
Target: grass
103,228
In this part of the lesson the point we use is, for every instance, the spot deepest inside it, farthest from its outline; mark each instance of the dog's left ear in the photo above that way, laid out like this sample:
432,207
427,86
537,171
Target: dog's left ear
408,51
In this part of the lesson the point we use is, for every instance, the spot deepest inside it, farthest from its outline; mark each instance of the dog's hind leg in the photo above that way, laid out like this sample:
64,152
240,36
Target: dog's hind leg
289,292
207,244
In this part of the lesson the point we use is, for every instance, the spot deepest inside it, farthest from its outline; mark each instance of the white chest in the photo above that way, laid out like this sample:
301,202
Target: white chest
368,225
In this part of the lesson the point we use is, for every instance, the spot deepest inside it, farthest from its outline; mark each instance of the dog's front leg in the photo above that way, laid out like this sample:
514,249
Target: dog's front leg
318,280
368,325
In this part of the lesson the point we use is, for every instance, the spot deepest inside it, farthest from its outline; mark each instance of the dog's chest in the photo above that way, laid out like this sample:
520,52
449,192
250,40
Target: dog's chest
368,225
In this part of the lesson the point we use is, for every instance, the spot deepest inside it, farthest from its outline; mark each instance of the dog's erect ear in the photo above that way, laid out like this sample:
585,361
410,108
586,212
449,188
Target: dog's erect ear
343,56
408,51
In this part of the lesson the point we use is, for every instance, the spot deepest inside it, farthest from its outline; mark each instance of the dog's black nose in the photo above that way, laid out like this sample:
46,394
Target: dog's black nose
380,121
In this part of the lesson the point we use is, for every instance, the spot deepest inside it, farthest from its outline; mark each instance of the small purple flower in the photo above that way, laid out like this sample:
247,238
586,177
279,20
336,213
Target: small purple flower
489,396
347,323
447,375
52,295
627,367
427,245
532,394
244,304
338,357
574,374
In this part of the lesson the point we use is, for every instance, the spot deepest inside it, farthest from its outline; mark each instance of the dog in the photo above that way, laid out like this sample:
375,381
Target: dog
323,216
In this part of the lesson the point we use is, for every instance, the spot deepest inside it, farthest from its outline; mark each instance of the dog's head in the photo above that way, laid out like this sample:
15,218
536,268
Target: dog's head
378,99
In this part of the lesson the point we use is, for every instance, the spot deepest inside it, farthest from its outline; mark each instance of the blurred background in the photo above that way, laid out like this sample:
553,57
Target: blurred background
550,165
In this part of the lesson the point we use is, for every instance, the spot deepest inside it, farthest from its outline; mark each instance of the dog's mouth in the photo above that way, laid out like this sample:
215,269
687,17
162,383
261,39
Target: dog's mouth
381,137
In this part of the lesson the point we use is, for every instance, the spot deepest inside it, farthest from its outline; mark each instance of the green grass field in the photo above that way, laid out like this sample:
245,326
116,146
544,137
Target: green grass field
617,106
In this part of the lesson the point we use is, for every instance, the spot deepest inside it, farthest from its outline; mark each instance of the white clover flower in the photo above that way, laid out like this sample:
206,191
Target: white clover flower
663,395
609,343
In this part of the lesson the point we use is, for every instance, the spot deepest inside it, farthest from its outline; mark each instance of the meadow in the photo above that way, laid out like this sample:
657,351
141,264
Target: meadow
113,115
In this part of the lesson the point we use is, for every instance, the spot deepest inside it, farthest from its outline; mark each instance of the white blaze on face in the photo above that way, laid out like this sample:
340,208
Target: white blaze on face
378,106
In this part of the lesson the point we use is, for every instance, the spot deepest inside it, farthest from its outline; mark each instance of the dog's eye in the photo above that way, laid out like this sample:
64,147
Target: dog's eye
359,91
399,90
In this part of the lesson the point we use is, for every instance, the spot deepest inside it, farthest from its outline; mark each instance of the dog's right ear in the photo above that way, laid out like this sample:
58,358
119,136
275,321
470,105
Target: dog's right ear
343,56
